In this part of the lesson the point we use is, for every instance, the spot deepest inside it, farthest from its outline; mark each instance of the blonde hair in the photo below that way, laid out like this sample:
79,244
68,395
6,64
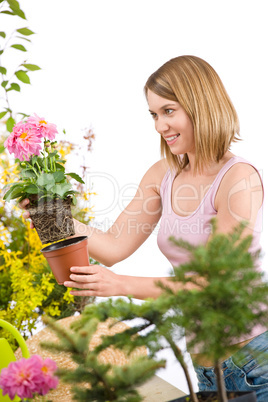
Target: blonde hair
193,83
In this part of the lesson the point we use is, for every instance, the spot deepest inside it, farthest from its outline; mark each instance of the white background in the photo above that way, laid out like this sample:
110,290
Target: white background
96,57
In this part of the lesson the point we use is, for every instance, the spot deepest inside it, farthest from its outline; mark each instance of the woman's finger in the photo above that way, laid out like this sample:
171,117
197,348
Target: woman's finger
87,293
87,270
82,278
80,285
24,203
26,215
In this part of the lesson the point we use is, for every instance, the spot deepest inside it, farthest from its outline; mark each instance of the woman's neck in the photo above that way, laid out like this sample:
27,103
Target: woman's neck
208,169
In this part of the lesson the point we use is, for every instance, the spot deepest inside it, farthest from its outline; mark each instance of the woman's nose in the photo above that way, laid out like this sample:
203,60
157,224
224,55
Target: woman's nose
161,125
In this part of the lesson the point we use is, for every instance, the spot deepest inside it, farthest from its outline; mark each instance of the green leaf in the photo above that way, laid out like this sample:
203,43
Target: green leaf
3,34
7,195
24,38
58,176
74,200
3,70
25,31
44,179
22,76
4,83
51,154
14,192
14,87
34,159
76,177
7,12
2,114
23,114
10,124
19,47
2,148
31,67
27,173
60,167
61,189
15,7
31,189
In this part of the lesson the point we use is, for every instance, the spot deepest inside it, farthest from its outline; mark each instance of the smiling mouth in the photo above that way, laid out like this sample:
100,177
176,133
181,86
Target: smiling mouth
169,139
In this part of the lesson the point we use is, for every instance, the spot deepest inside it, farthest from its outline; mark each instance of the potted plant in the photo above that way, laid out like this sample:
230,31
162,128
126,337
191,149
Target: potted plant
233,301
42,178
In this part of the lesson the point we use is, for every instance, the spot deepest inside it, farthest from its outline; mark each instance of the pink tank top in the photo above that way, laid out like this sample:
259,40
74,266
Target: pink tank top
196,227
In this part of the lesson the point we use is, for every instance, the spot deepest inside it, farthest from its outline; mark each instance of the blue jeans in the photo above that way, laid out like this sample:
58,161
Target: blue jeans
245,370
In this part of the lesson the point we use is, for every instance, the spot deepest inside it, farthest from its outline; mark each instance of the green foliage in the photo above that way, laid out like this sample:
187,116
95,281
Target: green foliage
13,78
43,178
229,306
93,379
233,299
27,287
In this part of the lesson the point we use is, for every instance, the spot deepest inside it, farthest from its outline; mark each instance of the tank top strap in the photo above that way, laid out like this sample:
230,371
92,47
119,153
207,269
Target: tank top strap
215,185
166,184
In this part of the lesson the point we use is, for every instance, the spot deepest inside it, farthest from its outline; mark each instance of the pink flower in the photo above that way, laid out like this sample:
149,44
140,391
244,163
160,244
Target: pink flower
27,377
20,378
46,130
24,141
47,379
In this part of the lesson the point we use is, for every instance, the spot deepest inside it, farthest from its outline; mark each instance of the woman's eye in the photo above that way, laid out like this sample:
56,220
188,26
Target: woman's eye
168,111
154,115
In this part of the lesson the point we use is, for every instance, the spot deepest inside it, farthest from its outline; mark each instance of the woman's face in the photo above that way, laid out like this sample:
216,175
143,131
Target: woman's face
173,123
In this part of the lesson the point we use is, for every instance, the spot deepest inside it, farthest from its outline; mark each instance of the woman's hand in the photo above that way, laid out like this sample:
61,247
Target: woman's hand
94,280
23,204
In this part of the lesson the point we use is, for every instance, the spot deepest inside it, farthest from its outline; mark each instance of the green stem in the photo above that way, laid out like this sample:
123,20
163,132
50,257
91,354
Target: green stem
39,168
32,167
45,163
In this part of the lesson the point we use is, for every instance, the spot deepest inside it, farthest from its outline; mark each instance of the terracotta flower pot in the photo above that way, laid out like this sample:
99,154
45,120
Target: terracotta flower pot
65,254
53,220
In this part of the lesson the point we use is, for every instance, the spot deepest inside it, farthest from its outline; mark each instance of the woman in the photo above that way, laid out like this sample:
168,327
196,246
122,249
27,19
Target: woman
198,178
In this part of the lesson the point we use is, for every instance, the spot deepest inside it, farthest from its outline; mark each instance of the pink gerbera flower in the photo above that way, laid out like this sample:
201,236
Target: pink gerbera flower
24,141
46,130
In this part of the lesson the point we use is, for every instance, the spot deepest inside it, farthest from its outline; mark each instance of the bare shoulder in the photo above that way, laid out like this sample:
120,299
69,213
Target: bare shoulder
241,180
155,174
242,172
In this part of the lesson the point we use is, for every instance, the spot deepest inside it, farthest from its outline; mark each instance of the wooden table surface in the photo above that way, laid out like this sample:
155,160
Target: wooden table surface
158,390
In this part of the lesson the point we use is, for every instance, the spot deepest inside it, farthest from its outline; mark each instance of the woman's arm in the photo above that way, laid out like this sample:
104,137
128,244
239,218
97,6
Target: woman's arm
131,228
239,198
134,224
96,280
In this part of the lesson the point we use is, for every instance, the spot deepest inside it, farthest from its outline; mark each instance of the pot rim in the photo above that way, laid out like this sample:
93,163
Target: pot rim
65,243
